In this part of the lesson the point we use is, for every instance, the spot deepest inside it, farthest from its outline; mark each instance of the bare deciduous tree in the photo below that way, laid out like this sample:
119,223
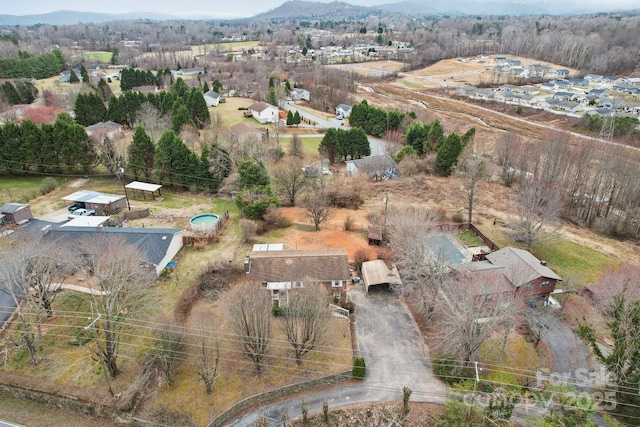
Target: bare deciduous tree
508,148
316,202
472,307
409,230
251,316
539,324
208,350
152,120
288,180
537,206
472,169
118,281
295,147
27,273
306,318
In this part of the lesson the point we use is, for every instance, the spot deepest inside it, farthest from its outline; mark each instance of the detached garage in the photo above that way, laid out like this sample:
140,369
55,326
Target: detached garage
16,213
103,204
379,273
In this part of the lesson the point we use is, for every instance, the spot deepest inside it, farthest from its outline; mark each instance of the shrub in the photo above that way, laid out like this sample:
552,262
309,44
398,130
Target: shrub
276,310
449,370
457,217
248,229
349,223
47,186
359,368
360,257
275,218
349,305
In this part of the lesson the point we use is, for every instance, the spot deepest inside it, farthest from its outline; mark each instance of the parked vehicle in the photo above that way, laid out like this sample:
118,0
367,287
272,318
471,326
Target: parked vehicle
74,207
81,212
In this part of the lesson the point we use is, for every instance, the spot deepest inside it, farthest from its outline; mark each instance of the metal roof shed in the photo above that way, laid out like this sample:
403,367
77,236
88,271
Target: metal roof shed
144,187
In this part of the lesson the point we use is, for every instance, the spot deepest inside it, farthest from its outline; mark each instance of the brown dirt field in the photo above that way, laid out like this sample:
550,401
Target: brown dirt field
331,234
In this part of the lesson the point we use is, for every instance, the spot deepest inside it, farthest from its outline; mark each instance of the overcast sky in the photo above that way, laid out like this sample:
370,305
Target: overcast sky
226,8
217,8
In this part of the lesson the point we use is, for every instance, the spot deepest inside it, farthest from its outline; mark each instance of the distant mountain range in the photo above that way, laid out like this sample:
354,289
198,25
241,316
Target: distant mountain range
338,10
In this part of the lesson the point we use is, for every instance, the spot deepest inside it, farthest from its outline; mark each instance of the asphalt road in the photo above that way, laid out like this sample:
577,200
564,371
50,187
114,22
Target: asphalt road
395,356
378,146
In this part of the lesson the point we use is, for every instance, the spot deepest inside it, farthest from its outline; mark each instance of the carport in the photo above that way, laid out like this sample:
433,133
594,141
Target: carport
144,188
379,272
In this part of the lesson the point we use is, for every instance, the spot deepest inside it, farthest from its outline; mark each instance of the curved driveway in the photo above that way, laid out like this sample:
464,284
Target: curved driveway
395,356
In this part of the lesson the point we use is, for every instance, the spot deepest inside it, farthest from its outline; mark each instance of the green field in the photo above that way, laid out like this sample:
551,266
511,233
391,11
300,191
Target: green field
576,263
233,46
20,189
97,56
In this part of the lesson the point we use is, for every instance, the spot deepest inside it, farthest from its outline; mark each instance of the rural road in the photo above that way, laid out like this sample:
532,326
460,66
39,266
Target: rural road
393,350
378,146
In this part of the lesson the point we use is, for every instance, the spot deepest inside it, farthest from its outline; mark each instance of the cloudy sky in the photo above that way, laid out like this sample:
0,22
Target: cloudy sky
170,7
219,8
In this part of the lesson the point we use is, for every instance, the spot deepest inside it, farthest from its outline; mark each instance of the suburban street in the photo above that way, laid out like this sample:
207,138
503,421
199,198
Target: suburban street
395,356
378,146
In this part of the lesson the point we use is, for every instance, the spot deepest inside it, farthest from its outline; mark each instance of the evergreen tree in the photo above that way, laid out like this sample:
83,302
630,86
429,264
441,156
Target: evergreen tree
198,108
435,138
289,118
359,143
10,94
73,77
116,109
416,136
296,118
447,156
181,116
31,143
13,151
329,145
84,74
89,109
141,154
252,173
205,87
103,90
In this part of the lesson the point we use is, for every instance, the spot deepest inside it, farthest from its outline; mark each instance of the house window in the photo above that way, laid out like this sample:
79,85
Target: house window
545,284
336,283
336,296
297,285
275,295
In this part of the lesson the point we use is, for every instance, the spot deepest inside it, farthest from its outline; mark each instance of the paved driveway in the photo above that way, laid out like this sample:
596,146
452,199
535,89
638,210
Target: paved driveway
394,354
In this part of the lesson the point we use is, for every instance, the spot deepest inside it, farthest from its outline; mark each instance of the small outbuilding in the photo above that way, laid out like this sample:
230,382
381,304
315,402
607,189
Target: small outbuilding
144,188
379,273
103,204
16,213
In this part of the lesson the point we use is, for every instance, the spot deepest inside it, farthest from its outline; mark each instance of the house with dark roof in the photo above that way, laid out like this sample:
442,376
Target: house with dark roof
343,110
297,94
212,98
108,129
376,167
157,246
517,271
281,271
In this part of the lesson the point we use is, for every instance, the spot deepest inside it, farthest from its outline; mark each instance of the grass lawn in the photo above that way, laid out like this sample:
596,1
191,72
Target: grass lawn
232,46
20,189
571,261
97,56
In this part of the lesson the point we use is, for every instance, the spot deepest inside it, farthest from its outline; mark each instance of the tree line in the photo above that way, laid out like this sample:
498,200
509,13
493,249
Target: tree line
28,66
61,147
185,106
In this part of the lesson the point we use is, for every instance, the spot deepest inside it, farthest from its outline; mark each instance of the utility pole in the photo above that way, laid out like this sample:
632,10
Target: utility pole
124,187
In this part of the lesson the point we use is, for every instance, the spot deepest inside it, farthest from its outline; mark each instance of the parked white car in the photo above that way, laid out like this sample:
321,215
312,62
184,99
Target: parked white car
81,212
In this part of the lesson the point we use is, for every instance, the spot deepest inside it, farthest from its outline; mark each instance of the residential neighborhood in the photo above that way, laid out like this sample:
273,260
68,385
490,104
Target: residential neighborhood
323,214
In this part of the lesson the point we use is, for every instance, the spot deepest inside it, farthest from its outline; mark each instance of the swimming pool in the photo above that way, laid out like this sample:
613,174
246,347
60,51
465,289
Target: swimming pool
444,248
206,222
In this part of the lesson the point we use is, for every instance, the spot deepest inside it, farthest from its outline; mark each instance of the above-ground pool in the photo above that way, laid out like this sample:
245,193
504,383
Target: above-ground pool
206,222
